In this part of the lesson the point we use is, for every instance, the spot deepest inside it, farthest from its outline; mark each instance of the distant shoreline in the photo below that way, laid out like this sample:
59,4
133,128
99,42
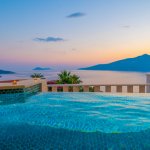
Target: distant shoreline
6,72
87,76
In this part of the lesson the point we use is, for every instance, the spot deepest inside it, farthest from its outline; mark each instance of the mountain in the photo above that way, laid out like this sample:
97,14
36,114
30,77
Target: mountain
6,72
40,68
138,64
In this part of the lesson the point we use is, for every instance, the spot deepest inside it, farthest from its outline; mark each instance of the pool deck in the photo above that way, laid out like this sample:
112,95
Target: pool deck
19,84
24,84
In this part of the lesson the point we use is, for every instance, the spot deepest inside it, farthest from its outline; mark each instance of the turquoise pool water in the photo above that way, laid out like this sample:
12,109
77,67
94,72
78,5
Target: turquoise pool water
75,121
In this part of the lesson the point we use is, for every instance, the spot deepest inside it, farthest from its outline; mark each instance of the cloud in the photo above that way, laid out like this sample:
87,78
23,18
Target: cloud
49,39
126,26
20,41
74,49
76,15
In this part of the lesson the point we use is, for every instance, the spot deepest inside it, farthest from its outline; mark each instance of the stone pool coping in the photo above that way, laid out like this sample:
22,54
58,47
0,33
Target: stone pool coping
23,86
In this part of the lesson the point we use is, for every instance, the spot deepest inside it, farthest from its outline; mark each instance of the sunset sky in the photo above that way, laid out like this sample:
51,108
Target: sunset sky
71,33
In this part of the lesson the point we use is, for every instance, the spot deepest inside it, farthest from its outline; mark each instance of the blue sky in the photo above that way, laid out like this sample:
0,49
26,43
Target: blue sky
71,33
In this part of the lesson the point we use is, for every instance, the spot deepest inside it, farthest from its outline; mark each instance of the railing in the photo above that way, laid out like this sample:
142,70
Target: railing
118,88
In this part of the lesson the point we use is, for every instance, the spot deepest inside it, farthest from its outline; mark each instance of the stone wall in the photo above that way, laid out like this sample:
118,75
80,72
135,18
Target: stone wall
18,95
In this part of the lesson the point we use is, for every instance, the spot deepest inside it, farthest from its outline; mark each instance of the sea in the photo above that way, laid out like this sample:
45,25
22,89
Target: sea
87,77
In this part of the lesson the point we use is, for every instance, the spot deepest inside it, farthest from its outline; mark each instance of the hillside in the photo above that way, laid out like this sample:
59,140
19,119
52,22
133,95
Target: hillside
139,64
6,72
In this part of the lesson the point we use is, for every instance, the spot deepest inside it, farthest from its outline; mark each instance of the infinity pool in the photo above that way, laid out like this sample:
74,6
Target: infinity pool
76,121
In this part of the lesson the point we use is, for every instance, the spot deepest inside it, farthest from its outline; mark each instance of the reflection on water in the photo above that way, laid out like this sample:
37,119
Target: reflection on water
88,112
111,77
26,136
92,77
72,121
6,99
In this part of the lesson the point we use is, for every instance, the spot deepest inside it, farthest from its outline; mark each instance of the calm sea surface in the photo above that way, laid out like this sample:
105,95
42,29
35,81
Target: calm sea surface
88,77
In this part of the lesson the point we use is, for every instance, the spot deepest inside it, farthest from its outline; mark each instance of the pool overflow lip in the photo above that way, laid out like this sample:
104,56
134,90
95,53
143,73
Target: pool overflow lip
40,85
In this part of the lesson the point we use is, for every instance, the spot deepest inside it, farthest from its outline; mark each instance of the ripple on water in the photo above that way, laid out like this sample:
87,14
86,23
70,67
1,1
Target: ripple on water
88,112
